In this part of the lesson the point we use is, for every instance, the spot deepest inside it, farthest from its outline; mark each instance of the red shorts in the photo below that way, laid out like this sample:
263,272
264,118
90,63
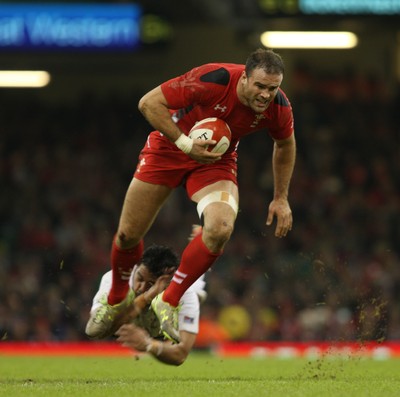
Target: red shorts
162,163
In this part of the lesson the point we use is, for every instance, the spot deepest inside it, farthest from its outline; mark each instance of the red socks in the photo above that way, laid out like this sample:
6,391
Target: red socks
122,262
196,260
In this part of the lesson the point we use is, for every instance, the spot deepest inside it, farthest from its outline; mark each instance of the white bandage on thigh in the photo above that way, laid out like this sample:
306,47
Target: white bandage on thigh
215,197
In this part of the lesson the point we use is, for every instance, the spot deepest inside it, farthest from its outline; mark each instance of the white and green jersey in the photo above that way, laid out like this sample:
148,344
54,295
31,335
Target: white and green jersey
189,313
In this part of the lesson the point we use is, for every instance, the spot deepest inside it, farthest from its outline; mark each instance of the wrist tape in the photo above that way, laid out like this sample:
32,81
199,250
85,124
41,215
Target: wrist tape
155,347
184,143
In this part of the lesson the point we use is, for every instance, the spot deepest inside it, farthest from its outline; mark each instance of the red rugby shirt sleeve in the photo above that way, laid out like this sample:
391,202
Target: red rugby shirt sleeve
284,126
187,89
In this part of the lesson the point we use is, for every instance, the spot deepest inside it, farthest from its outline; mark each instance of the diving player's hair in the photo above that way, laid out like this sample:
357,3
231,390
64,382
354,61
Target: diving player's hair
159,258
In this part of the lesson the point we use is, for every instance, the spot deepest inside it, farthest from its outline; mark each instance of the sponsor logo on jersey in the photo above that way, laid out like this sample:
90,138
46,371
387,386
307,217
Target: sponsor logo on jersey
219,107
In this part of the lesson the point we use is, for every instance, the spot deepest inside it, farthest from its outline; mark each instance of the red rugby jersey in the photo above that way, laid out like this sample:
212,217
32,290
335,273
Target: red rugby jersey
210,91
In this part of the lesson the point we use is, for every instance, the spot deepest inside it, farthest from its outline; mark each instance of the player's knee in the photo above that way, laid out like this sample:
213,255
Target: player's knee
217,234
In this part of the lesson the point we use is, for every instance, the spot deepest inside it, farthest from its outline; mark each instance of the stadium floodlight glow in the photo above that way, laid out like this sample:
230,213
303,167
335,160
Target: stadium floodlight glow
300,39
24,78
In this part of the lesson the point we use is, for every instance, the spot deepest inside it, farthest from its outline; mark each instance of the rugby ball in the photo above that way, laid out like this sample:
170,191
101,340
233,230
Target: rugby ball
213,128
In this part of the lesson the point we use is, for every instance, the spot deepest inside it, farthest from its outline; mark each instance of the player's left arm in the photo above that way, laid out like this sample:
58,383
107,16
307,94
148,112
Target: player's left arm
283,160
136,338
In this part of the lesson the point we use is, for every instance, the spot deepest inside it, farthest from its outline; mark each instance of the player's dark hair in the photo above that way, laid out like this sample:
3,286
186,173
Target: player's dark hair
159,258
266,59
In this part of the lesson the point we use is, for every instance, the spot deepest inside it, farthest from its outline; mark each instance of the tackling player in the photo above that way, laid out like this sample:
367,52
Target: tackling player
135,324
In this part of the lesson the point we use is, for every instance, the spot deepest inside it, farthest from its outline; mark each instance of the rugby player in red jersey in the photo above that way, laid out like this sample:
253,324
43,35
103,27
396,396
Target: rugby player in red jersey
249,99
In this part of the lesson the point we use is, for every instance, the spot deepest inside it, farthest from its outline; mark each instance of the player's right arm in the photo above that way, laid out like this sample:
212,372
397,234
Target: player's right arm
155,109
136,338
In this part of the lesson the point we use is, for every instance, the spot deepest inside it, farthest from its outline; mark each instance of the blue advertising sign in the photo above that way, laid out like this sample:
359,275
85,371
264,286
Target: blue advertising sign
69,26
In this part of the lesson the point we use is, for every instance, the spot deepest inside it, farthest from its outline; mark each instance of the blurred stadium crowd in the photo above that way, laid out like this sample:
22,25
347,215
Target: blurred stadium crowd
64,170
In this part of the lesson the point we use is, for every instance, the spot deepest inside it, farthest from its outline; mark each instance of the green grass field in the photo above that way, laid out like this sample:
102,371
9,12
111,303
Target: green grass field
201,375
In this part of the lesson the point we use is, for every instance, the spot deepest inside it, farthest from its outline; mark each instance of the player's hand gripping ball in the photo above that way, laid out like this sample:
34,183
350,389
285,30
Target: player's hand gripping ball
215,129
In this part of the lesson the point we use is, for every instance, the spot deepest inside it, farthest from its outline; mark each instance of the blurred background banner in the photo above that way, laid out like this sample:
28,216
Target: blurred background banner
86,27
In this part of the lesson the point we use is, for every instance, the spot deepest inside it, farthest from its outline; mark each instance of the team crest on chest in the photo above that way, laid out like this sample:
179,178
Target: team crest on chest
257,120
